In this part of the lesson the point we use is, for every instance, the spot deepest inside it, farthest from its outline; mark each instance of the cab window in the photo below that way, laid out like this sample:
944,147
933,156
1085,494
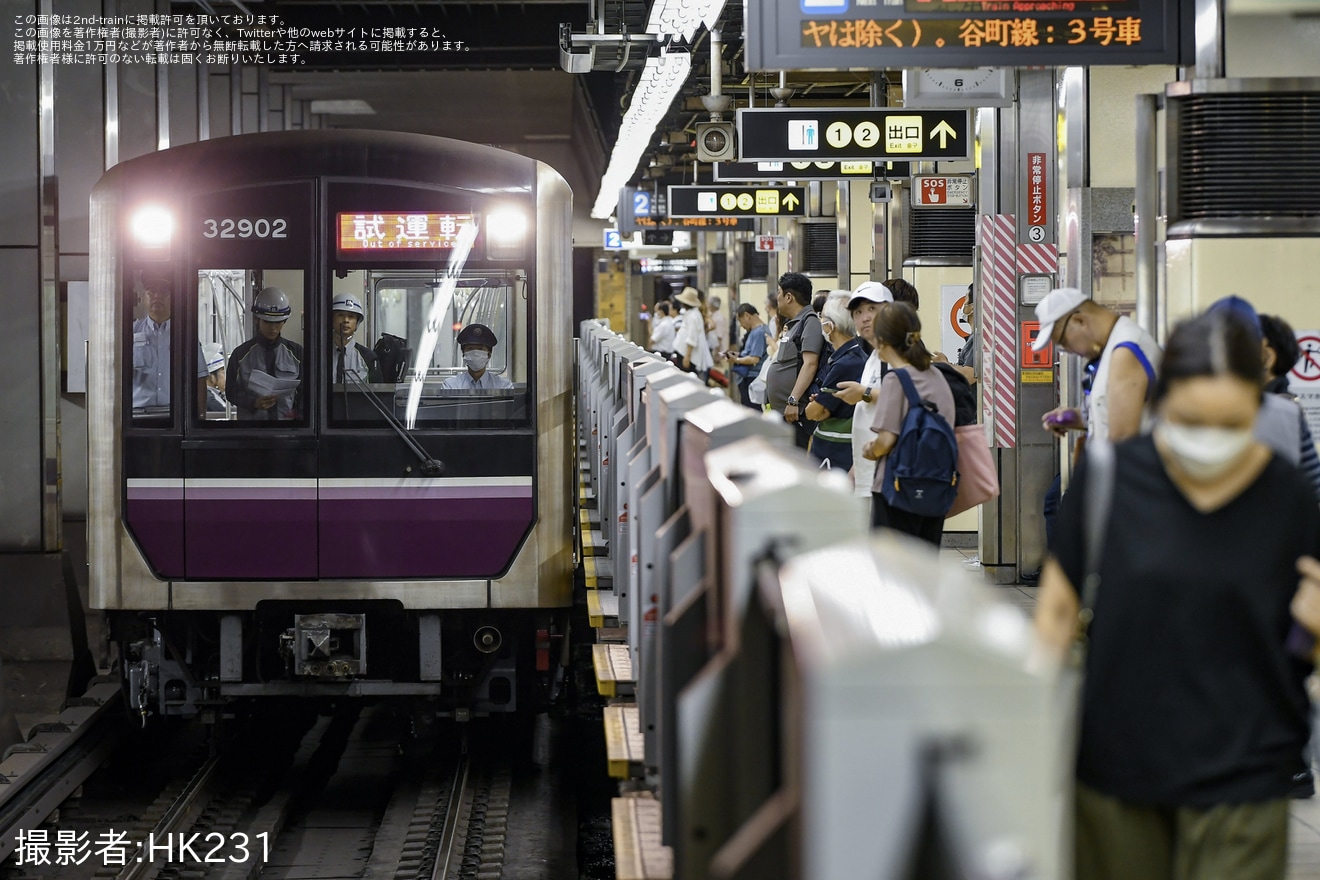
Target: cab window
150,361
251,346
439,351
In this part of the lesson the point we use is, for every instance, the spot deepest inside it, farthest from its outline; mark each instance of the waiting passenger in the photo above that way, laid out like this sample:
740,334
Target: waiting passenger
747,362
1281,424
151,345
662,330
355,359
1193,712
1120,370
1118,379
904,292
691,351
264,372
1281,353
477,342
832,440
897,332
867,301
214,355
801,346
965,365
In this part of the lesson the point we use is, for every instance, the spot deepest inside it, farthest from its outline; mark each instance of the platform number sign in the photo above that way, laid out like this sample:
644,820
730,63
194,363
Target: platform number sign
613,241
641,204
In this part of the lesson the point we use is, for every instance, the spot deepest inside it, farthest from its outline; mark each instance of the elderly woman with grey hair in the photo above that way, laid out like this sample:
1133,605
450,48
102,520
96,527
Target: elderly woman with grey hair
832,440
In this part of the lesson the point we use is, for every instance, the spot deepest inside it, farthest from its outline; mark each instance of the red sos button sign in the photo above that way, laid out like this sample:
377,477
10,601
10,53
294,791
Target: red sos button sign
934,191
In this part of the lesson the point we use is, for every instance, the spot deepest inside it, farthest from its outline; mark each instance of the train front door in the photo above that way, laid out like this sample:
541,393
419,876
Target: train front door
250,451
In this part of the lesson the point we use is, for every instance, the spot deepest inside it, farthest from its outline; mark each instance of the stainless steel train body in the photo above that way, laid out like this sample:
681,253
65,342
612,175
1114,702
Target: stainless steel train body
378,534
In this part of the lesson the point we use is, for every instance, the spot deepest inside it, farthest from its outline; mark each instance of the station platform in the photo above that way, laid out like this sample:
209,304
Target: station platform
636,814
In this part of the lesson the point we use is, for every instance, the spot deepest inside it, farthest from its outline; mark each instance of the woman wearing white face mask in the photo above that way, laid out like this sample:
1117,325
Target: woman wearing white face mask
1193,713
476,341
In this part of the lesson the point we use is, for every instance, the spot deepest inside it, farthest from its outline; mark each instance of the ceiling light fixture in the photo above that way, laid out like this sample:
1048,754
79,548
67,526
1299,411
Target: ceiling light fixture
660,82
343,107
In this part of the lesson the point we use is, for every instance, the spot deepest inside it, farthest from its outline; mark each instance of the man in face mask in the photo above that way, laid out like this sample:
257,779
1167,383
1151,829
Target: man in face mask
476,341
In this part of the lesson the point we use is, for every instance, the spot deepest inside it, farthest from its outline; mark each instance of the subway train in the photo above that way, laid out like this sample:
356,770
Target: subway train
267,522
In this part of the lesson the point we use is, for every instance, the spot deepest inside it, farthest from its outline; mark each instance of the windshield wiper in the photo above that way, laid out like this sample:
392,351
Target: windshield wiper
430,467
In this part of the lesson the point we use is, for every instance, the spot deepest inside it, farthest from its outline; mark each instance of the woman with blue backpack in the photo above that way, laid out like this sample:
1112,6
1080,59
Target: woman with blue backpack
916,478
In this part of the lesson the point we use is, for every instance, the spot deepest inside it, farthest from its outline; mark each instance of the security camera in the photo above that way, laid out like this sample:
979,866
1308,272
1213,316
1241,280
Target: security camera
715,142
881,192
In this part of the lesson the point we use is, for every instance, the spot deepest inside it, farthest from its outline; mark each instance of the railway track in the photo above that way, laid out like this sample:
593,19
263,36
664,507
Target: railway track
338,796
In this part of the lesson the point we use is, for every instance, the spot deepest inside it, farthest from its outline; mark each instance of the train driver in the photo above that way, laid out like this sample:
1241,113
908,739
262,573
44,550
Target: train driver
476,341
264,372
348,357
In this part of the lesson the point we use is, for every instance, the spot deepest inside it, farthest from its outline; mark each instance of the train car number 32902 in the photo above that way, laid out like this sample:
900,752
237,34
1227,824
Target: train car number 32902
245,228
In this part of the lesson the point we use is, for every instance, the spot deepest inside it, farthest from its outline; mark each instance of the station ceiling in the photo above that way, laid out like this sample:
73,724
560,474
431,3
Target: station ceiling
506,86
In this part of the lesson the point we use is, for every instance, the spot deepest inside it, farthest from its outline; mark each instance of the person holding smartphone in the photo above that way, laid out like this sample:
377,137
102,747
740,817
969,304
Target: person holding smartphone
831,442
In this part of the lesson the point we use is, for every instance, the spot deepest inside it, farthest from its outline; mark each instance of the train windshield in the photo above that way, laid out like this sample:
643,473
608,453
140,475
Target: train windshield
460,339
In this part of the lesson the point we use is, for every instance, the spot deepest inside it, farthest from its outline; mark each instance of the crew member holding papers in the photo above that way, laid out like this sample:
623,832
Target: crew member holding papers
264,372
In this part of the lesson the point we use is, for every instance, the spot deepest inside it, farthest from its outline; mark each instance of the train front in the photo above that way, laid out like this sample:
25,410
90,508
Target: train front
329,414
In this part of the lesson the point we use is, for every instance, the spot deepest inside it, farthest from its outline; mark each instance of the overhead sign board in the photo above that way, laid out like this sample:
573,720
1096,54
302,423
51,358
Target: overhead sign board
826,134
710,224
737,201
735,171
941,191
859,35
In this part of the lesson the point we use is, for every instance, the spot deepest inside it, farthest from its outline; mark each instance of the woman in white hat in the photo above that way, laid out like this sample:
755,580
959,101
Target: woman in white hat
690,347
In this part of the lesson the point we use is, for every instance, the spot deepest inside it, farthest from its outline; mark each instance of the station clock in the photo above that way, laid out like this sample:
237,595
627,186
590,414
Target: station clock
957,87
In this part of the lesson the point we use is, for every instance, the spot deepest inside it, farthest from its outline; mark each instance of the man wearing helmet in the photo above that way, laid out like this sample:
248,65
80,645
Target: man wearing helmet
261,367
214,356
347,359
477,341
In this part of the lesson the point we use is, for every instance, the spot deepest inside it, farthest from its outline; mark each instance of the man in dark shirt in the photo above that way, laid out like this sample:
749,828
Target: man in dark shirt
261,368
801,343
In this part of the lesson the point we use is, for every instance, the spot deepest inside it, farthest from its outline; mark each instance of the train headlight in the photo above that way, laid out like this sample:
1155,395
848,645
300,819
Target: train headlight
152,226
506,234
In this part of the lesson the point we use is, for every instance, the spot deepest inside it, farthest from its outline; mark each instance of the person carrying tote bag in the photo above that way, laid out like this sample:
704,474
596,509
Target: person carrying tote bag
978,479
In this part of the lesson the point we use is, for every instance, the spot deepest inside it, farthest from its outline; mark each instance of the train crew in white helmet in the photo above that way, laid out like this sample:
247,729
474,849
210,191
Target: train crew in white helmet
267,361
476,341
348,358
214,356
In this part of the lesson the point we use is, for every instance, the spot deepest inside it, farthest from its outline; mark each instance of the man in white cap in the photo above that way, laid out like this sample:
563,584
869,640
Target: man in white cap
867,300
1118,378
1120,370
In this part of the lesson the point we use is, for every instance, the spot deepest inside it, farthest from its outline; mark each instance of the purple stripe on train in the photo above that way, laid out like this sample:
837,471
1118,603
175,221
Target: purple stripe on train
387,492
281,538
425,538
157,525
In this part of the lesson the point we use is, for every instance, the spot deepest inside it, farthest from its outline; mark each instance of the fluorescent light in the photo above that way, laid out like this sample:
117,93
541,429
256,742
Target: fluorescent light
683,16
344,107
660,82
